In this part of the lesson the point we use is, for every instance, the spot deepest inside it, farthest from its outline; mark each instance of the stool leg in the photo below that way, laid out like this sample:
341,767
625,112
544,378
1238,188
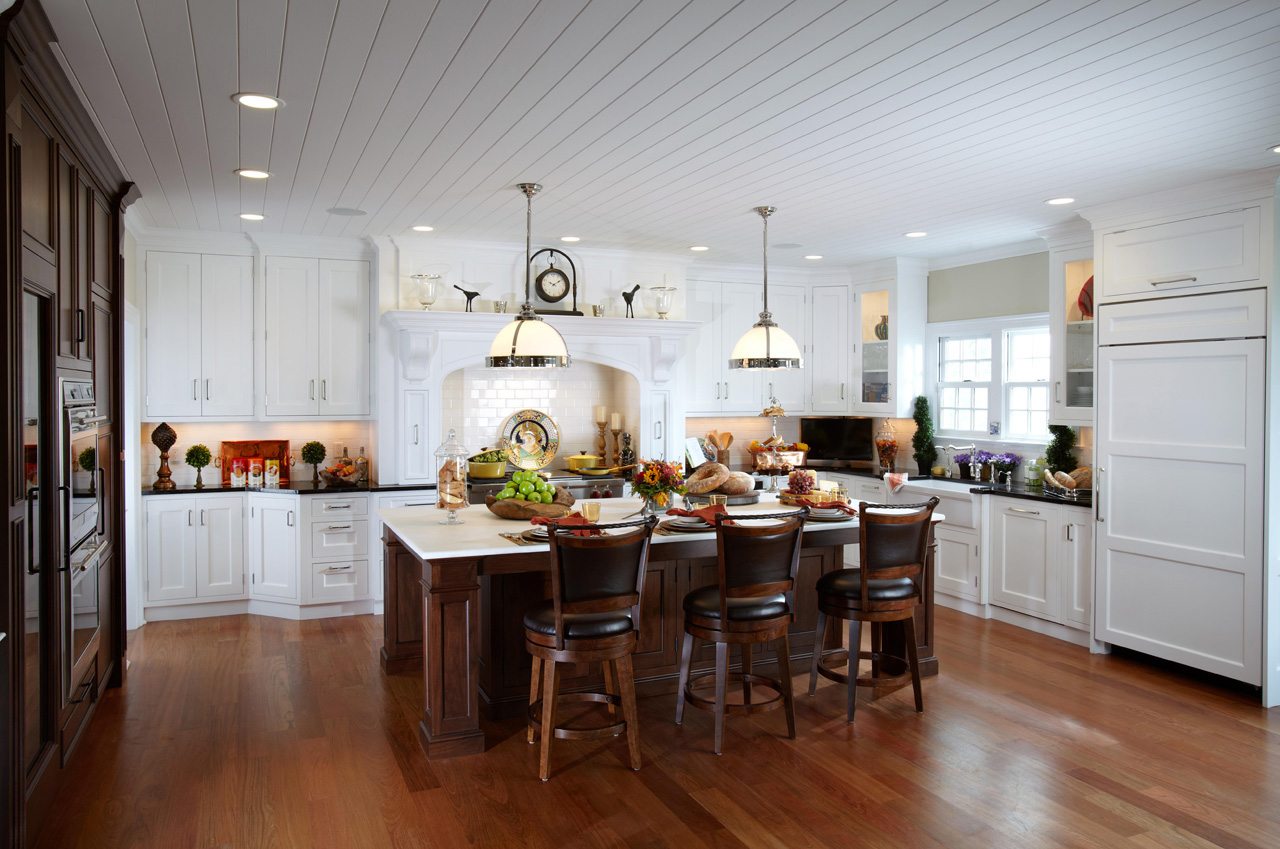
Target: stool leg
877,647
686,658
746,672
627,686
783,648
722,680
855,647
819,640
535,684
548,718
909,626
610,683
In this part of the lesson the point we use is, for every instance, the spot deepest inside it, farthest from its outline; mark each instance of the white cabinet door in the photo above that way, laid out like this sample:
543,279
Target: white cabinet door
707,358
171,548
220,546
273,547
1179,485
870,491
343,322
956,563
1024,574
660,444
291,315
831,347
740,308
415,453
788,304
1209,250
172,335
226,336
1076,565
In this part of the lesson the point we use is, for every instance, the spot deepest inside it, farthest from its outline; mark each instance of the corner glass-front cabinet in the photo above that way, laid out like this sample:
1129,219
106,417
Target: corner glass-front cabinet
1071,314
875,331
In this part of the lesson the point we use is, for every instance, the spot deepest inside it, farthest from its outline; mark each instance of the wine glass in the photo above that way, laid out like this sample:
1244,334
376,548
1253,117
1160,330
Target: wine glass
428,286
662,298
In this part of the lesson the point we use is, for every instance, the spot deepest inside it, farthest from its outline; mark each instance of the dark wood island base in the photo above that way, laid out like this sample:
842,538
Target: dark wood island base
459,620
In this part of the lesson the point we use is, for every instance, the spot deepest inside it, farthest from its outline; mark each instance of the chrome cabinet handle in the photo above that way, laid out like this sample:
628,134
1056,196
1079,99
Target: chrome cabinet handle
313,389
418,503
1097,494
335,570
1071,537
336,506
1057,392
415,434
324,389
191,518
1161,281
195,389
202,518
288,518
717,390
657,430
726,390
1020,510
339,528
207,391
842,390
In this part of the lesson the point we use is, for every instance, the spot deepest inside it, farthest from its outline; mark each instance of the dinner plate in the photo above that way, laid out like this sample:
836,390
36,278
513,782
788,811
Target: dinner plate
690,522
538,531
839,517
671,525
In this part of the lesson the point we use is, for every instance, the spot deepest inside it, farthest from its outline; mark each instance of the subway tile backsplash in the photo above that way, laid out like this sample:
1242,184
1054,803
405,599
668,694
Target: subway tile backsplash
477,402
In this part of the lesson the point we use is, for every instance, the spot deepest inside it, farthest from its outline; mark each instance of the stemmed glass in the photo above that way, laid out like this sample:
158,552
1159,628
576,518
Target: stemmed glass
662,297
428,286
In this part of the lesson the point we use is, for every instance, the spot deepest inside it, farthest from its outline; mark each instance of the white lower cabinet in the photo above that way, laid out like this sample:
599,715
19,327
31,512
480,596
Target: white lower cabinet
1041,559
195,548
402,498
335,557
220,547
956,564
273,546
171,548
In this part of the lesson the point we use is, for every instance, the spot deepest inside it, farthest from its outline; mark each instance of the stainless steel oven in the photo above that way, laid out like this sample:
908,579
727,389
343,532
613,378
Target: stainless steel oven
81,478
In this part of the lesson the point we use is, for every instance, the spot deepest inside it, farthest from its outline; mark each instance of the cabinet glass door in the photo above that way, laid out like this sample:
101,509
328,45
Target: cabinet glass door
1077,392
875,333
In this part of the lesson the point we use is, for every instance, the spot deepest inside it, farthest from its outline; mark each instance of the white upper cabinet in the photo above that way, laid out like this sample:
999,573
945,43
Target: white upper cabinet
740,308
173,328
1071,324
726,310
199,336
317,337
789,307
888,330
1220,251
829,350
226,336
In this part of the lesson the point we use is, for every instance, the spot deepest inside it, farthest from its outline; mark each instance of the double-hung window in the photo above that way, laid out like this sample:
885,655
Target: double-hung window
993,380
964,385
1026,383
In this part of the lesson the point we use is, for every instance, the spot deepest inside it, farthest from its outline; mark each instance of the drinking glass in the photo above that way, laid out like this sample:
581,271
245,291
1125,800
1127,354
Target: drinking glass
718,498
428,289
597,310
591,511
499,306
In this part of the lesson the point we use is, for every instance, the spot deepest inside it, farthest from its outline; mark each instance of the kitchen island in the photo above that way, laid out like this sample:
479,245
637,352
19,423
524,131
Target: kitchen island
455,597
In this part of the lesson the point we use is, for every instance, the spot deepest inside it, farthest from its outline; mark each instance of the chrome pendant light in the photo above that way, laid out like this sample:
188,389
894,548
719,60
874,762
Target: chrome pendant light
528,341
766,345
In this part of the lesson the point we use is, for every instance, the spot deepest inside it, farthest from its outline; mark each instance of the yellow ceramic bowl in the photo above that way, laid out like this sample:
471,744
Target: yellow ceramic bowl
487,470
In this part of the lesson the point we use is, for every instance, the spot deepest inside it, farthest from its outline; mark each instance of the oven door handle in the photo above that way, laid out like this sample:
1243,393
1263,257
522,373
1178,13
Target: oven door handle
95,420
66,524
32,494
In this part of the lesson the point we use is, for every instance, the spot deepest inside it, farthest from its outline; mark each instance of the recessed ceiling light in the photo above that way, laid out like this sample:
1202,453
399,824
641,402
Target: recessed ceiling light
257,101
423,228
1276,149
252,173
916,234
699,248
570,239
252,216
349,211
814,256
1060,201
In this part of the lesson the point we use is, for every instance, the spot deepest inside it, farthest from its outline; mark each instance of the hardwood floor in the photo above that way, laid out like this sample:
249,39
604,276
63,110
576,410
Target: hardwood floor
250,732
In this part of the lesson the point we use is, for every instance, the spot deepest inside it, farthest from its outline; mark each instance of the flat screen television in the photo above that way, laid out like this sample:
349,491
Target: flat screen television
838,440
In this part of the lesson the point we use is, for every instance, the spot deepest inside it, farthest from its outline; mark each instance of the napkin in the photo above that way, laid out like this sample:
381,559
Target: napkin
706,514
895,481
565,521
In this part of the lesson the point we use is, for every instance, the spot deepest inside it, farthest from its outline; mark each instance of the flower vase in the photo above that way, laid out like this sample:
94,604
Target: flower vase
649,507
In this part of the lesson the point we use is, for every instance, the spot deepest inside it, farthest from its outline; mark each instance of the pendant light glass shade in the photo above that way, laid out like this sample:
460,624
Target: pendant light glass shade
765,345
528,341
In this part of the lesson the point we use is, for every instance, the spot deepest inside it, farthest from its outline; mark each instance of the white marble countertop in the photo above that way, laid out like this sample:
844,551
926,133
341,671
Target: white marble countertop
420,530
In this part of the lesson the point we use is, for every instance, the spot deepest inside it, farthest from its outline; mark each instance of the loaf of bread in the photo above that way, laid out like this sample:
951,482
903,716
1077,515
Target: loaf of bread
707,478
738,483
1083,477
1064,480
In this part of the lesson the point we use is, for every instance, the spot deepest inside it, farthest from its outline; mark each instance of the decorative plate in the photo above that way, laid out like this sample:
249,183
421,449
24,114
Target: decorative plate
532,439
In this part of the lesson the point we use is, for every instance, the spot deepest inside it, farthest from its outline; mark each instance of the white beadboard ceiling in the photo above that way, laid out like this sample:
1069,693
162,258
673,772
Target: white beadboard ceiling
658,124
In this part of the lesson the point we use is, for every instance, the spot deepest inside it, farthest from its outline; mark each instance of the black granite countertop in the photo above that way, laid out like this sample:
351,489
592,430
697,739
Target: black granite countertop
301,487
1019,490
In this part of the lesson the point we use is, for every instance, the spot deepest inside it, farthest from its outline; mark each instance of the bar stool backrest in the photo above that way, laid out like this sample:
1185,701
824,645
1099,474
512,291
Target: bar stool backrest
758,560
893,541
599,574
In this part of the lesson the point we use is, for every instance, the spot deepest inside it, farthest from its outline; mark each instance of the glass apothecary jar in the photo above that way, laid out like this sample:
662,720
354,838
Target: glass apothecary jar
451,477
886,447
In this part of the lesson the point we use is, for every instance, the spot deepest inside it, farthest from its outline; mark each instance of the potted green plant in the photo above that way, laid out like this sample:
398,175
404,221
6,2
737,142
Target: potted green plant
199,456
1060,455
922,442
313,452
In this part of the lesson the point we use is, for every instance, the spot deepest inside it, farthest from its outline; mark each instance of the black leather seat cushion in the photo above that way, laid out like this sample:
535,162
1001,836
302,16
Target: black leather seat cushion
577,626
844,582
705,601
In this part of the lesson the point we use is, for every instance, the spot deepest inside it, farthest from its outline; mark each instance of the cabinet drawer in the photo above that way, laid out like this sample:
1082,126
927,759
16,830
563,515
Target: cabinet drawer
1221,315
1208,250
341,580
339,508
339,539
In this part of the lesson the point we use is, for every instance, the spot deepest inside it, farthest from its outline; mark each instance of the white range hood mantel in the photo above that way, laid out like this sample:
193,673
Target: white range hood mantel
644,347
419,349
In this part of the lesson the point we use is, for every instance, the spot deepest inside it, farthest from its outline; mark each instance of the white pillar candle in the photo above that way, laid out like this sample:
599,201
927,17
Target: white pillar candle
600,419
615,421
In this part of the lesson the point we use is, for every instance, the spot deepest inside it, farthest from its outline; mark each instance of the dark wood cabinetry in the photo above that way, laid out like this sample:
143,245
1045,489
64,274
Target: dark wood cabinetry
60,225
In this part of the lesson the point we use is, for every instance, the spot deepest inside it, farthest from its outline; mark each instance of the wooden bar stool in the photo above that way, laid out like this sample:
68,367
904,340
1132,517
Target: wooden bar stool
893,542
593,616
750,603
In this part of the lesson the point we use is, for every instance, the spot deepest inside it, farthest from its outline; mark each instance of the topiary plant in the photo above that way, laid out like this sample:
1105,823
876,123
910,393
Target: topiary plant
313,453
199,456
922,442
88,459
1060,454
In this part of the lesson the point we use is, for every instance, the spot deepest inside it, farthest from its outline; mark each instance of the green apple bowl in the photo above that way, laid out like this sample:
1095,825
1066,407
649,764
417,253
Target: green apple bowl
487,470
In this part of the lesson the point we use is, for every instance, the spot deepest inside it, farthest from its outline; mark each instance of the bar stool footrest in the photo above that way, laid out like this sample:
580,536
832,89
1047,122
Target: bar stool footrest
571,732
736,708
879,681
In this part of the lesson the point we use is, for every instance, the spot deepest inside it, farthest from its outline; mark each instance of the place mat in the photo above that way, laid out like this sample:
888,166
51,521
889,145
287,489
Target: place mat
520,539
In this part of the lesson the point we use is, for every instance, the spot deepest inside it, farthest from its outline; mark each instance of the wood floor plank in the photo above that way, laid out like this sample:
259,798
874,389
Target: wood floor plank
250,732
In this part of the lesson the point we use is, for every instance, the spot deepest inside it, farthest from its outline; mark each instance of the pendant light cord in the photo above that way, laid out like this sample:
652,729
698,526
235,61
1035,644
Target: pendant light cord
766,262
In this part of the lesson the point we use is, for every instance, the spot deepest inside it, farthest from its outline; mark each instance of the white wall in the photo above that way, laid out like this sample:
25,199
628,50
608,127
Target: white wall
1012,286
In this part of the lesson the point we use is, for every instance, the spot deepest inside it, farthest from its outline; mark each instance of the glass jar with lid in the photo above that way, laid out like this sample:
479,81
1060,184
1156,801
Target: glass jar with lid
886,447
451,477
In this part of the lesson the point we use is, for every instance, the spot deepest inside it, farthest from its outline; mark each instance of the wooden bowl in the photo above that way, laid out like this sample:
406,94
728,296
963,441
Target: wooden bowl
523,511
